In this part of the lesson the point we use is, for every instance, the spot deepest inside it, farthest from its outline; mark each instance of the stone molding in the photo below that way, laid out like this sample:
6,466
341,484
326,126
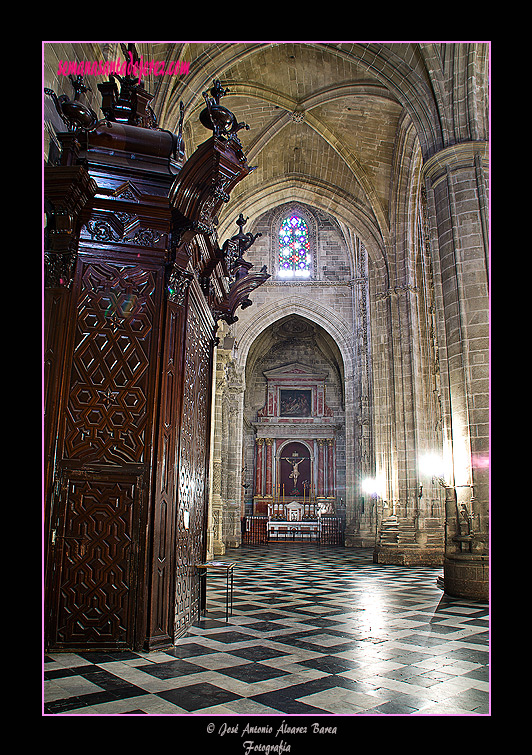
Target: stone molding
455,157
321,431
395,292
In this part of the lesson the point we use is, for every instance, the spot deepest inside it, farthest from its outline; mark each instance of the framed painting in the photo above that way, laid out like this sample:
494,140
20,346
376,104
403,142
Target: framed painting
295,403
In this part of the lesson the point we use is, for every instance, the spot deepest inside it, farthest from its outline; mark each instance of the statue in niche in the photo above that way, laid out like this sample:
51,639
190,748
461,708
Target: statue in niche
294,474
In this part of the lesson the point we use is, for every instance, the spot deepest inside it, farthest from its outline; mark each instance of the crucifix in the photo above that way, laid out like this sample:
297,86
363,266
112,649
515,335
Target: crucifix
295,460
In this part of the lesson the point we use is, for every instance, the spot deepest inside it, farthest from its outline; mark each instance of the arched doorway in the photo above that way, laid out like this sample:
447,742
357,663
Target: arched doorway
294,438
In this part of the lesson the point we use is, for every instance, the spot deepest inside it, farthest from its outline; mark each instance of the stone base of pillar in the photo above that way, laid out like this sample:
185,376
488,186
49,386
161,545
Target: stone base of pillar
408,556
234,542
218,548
466,575
359,540
359,531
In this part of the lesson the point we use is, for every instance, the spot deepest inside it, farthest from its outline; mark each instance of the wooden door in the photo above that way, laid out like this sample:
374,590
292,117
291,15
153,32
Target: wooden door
95,596
95,560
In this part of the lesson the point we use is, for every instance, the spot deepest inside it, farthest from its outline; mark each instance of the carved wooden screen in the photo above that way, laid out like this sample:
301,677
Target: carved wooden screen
193,461
98,552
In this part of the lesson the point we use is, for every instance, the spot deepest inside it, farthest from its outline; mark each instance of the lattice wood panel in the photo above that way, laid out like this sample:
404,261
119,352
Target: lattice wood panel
97,561
107,411
195,431
161,629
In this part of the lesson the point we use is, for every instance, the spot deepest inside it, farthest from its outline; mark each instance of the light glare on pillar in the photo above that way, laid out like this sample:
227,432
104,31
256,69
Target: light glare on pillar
373,486
432,465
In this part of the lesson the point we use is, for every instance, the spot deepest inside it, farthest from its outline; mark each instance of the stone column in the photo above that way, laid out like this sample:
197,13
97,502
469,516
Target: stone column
456,181
233,458
321,467
258,468
330,470
216,545
269,470
360,524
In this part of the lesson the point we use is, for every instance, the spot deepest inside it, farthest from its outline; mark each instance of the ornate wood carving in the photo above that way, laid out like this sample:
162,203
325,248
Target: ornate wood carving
137,281
178,284
197,195
162,611
68,191
193,459
97,564
108,407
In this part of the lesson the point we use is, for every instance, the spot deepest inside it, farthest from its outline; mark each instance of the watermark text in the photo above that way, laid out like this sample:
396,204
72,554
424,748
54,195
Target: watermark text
135,68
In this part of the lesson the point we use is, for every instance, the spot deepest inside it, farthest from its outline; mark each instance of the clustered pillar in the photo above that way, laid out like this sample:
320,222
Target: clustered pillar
456,181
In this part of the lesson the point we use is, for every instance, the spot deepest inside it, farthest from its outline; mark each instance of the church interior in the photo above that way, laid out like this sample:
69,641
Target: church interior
266,341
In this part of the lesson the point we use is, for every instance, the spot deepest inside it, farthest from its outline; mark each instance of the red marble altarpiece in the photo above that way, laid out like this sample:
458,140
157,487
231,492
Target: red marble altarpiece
295,444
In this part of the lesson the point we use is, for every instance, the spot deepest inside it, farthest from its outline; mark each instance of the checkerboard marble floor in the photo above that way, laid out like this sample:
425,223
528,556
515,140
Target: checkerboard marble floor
314,631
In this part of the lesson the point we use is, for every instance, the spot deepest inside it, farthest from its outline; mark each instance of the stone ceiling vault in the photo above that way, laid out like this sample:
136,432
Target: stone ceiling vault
318,122
327,119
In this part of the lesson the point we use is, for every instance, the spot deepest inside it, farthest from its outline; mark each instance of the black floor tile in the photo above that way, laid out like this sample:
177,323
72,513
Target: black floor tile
482,674
244,607
230,637
479,639
252,672
466,654
475,696
207,623
64,706
439,629
257,653
171,669
330,664
264,626
189,651
318,621
107,657
421,640
287,705
394,708
94,698
136,712
198,696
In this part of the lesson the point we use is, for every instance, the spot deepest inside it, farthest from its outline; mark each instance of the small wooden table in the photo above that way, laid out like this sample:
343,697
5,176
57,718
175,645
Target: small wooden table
228,567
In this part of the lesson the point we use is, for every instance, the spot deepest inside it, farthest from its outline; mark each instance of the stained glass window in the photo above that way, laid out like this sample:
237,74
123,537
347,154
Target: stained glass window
294,254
